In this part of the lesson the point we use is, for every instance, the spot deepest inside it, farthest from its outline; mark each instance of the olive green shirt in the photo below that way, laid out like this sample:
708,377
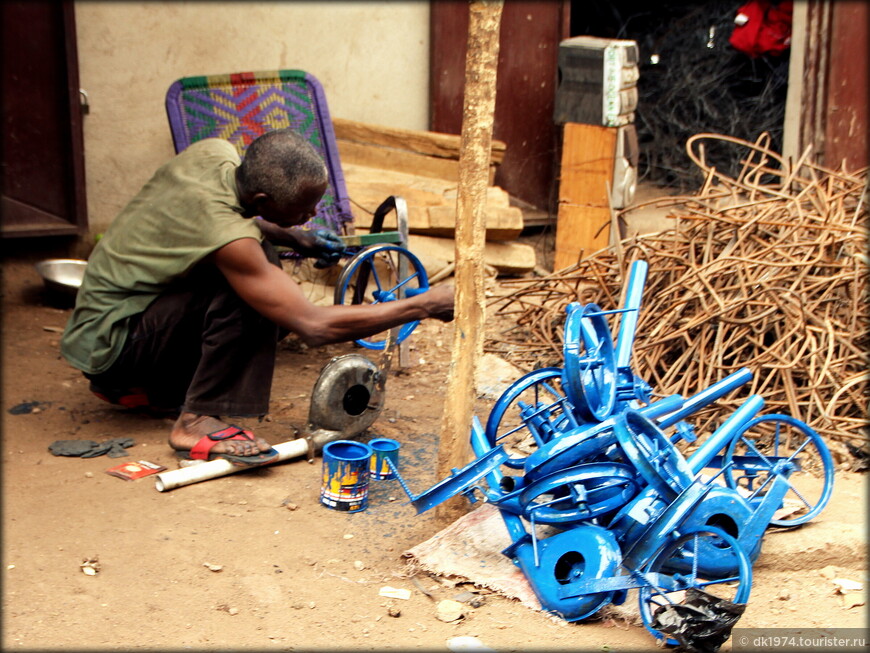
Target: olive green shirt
187,210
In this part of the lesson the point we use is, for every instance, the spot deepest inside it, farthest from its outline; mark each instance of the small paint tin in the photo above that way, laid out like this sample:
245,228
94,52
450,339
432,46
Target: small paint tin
345,484
383,449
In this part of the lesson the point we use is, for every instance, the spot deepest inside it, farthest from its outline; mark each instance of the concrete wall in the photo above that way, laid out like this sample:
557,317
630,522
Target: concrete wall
371,57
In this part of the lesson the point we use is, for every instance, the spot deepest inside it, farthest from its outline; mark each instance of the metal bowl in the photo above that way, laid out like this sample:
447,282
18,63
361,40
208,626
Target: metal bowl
62,275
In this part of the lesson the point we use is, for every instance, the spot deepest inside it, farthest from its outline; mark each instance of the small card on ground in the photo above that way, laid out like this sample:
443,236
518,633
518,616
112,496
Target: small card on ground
133,470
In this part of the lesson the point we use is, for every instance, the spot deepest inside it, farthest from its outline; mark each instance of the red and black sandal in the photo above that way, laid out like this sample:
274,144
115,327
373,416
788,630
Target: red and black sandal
203,449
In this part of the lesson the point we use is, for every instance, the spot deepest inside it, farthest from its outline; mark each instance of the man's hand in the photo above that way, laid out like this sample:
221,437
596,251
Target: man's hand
321,244
441,299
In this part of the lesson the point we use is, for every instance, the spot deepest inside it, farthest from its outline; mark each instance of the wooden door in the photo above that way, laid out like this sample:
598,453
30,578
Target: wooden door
526,89
43,185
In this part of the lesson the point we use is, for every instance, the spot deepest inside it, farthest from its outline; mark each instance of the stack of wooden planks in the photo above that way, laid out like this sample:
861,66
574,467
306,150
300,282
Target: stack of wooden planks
423,168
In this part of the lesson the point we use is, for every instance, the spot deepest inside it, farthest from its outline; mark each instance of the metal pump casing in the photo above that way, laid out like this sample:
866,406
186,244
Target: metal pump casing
347,398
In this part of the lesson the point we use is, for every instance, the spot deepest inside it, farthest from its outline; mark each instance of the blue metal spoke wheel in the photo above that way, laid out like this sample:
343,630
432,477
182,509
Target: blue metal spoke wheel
381,273
590,376
579,493
661,591
771,445
529,413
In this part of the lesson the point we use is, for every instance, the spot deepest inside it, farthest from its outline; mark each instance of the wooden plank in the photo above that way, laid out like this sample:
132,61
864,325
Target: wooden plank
421,142
576,237
418,218
502,222
401,160
846,116
362,240
506,257
586,173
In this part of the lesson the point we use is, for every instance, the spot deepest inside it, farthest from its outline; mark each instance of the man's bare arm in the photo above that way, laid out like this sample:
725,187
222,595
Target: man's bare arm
273,294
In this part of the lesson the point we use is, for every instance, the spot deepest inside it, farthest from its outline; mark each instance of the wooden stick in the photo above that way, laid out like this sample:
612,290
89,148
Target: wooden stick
481,65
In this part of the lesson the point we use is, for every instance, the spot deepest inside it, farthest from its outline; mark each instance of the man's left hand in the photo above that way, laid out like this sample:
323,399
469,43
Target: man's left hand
321,244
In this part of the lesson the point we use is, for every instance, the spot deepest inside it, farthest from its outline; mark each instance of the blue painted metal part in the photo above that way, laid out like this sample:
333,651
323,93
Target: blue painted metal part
586,441
707,397
753,469
630,510
648,520
726,509
652,594
460,481
582,553
481,446
656,458
629,386
362,267
549,403
579,493
589,375
720,438
628,325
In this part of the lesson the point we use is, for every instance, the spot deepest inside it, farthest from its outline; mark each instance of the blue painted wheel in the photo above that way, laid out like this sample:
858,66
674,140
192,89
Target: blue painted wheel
771,445
579,493
529,413
381,273
662,590
590,361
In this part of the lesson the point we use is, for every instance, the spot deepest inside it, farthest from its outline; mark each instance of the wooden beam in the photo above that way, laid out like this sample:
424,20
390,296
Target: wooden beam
422,142
422,152
481,61
395,159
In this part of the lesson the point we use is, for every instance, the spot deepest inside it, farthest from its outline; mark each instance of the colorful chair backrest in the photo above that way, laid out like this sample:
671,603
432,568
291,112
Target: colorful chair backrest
241,106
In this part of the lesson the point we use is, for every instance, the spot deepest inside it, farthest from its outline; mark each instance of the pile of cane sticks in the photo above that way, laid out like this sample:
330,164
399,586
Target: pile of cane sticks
768,270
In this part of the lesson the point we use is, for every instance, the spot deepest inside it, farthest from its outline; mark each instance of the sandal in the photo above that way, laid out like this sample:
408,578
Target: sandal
202,450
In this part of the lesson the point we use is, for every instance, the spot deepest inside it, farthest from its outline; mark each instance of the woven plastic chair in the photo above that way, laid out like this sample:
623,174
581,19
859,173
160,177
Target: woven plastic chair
239,107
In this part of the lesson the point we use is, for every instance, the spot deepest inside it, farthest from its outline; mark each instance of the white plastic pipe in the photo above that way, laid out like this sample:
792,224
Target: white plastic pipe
221,467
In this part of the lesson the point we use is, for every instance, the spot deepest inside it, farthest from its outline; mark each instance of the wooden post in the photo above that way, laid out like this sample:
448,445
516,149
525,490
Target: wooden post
588,153
481,63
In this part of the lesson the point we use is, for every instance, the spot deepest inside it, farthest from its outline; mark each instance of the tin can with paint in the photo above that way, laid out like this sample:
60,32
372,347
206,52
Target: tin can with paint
345,484
383,449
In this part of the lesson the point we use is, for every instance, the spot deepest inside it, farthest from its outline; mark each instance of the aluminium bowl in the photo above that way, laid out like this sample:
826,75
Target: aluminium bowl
62,275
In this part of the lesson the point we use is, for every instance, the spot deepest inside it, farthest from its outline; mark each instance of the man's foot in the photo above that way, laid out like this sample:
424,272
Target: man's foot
190,428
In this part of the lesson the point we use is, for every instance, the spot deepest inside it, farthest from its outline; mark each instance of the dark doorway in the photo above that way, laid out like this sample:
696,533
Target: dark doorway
692,80
525,94
43,184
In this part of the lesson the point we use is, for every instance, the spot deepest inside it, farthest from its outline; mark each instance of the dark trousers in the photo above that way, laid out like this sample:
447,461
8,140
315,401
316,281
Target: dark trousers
198,347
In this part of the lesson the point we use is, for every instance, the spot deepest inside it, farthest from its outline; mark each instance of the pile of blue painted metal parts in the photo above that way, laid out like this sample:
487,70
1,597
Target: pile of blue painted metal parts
591,476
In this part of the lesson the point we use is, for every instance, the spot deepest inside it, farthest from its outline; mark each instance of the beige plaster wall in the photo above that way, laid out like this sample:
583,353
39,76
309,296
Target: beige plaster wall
371,57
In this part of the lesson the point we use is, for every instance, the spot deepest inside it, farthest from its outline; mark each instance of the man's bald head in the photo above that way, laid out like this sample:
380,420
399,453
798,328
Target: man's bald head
282,164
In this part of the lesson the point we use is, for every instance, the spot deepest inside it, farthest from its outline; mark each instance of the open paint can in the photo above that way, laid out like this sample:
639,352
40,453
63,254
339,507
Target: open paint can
345,483
383,449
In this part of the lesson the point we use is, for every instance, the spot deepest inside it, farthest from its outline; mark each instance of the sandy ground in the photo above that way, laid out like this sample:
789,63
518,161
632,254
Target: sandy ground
293,575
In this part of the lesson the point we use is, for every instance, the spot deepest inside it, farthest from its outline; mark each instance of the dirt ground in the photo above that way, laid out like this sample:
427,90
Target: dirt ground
289,579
